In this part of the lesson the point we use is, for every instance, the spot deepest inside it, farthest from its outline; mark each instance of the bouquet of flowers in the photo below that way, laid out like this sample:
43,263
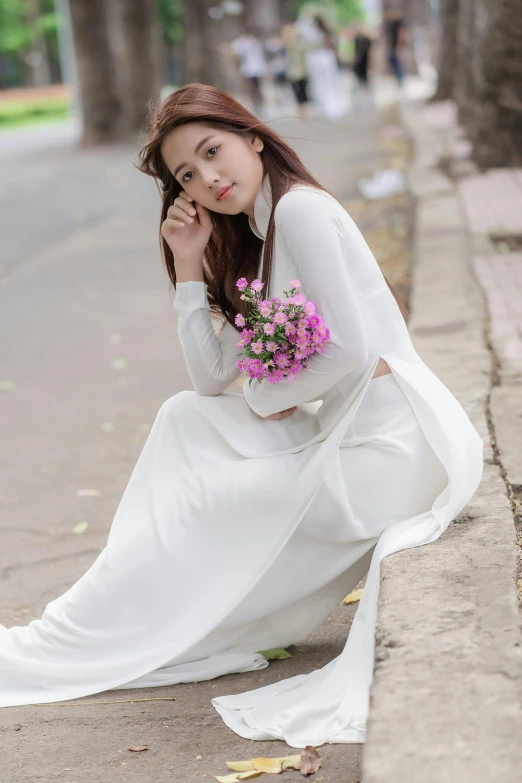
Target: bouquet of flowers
279,335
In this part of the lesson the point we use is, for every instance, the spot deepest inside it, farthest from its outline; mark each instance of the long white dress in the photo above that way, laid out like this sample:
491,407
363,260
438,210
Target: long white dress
236,534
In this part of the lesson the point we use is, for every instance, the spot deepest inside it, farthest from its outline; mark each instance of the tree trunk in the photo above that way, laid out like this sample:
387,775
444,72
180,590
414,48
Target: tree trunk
262,18
140,56
496,127
447,64
100,105
203,35
464,80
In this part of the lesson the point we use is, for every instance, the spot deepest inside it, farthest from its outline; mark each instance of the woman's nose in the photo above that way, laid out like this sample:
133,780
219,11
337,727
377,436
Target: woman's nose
211,178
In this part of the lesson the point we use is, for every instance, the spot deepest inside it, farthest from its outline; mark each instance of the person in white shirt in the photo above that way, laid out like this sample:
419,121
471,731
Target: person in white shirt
252,65
249,516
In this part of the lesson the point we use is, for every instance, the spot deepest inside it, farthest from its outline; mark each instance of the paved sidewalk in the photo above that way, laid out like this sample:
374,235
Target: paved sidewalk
447,692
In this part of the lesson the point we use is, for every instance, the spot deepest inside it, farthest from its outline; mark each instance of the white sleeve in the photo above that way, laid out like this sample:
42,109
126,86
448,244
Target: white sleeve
310,225
210,357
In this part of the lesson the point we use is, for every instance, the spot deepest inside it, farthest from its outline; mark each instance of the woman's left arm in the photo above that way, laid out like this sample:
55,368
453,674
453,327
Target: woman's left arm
310,225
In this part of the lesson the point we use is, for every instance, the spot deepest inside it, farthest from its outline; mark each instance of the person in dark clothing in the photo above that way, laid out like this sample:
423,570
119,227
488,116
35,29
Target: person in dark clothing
395,32
361,59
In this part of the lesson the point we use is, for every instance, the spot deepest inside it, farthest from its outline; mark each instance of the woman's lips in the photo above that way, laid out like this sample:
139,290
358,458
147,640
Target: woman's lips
224,192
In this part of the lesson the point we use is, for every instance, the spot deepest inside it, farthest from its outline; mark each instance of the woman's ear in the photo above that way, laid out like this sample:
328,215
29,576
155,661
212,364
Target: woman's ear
257,144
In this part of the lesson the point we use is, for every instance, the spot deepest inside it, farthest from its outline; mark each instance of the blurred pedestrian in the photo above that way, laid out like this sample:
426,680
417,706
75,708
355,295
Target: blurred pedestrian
276,53
361,63
296,71
252,65
396,37
323,68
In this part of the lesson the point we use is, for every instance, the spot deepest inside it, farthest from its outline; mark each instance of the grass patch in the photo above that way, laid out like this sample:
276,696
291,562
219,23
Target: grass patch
14,113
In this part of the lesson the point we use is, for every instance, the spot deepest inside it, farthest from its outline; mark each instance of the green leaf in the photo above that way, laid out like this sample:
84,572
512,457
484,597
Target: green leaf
277,654
80,528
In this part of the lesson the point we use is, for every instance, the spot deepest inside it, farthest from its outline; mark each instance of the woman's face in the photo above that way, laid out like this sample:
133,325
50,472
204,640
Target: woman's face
219,169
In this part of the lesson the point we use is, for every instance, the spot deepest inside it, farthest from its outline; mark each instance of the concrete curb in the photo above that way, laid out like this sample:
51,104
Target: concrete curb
447,691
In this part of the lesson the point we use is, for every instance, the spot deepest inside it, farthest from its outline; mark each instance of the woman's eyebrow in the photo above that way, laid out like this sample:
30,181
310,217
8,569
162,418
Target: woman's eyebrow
198,147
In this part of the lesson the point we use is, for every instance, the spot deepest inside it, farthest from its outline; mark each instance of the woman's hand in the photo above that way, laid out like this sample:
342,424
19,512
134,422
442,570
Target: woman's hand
281,415
187,229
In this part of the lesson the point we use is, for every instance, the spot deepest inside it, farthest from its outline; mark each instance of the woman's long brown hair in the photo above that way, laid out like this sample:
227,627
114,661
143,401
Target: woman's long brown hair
233,250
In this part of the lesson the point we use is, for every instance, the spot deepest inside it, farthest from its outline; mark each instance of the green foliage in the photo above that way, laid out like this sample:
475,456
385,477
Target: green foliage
170,14
21,112
344,11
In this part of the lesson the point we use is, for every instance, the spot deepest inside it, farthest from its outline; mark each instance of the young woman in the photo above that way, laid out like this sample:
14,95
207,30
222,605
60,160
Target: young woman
249,517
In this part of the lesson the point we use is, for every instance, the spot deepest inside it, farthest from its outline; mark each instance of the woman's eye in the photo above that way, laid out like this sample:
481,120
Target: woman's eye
212,151
187,175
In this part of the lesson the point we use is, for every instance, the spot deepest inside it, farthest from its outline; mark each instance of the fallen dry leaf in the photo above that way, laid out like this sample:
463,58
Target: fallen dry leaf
310,761
138,748
80,528
88,493
353,597
277,654
291,762
271,766
237,776
261,764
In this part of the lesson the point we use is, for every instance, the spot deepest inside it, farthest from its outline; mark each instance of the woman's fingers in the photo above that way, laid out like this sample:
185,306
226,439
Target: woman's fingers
171,224
186,203
282,414
204,217
176,212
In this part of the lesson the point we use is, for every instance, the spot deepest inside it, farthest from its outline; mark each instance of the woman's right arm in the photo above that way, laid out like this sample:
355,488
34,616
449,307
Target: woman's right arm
210,358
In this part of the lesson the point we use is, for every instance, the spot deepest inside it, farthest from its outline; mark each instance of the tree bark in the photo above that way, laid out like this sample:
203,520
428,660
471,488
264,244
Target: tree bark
101,107
203,35
495,126
447,64
463,90
139,57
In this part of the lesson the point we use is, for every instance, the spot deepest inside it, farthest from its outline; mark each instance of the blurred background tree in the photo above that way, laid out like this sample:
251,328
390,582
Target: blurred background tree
127,49
28,43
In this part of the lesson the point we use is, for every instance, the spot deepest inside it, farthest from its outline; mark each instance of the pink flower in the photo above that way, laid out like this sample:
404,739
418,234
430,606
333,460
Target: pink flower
242,296
299,299
281,359
269,329
275,377
289,300
289,329
256,285
309,308
239,320
242,283
257,347
295,283
247,335
280,318
256,369
271,346
265,308
314,320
